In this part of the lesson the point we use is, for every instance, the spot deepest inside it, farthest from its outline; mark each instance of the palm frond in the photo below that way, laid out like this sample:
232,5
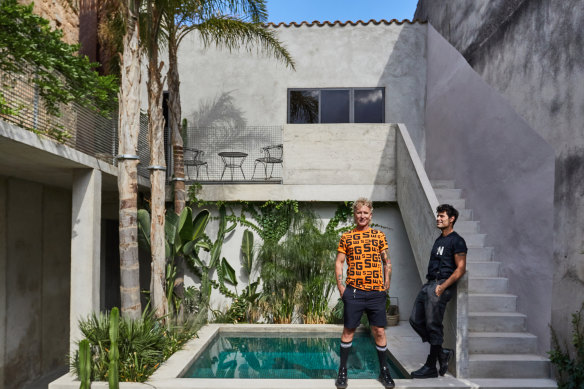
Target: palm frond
233,33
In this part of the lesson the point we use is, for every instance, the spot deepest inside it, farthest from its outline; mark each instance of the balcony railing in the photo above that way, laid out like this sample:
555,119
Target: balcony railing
230,155
78,127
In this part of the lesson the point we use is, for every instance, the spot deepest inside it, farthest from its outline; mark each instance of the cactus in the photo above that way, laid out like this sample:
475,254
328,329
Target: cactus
114,354
84,364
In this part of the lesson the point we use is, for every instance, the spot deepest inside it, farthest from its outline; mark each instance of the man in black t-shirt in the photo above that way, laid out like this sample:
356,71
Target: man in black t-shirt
447,264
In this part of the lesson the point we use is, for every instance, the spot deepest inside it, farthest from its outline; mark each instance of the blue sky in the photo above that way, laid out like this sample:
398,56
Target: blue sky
309,10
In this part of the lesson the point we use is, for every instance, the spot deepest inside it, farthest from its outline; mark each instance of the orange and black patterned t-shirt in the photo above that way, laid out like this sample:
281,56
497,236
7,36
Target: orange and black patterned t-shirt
363,250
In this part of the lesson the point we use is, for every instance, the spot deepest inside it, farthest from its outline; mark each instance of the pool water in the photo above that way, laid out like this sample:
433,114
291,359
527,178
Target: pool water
291,356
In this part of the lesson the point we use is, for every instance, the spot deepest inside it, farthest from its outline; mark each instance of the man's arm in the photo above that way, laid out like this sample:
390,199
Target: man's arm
339,271
460,261
386,269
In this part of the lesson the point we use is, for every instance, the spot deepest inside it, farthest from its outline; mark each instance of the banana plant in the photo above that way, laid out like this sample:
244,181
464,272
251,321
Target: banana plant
184,235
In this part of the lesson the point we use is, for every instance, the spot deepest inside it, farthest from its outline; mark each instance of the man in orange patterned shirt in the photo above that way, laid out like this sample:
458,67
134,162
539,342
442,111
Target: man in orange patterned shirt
368,278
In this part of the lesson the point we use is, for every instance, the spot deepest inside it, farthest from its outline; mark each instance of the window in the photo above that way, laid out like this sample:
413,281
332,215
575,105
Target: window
332,105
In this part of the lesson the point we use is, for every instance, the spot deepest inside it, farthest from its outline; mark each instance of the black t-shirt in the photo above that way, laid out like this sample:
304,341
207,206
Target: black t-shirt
442,263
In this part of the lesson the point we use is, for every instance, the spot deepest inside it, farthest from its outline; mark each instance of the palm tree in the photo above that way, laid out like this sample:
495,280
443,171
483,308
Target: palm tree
151,35
129,128
211,18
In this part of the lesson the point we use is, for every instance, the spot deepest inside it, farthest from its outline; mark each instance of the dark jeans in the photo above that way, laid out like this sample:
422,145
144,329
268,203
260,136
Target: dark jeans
428,312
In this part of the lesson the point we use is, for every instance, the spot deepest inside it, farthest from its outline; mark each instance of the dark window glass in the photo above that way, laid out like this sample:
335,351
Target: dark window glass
335,106
304,106
369,106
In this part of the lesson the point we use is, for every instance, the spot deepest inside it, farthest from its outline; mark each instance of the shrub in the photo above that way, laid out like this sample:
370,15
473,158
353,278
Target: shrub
570,365
143,345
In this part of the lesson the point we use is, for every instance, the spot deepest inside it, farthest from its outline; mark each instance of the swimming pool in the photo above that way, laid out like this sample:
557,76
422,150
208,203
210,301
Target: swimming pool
285,355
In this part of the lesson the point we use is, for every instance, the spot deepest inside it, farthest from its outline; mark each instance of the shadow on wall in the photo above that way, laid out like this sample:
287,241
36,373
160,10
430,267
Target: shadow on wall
218,112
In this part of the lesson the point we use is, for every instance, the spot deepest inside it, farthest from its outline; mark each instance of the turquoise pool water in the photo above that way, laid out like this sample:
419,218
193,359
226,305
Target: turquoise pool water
292,356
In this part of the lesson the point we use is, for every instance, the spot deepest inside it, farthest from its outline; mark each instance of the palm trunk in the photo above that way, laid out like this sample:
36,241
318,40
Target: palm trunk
157,175
174,109
129,129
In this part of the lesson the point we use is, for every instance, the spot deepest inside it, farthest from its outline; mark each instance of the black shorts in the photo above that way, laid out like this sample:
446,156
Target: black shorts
357,301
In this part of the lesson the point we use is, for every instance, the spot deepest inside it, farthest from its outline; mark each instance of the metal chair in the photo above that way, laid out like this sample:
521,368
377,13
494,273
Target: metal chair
272,155
192,158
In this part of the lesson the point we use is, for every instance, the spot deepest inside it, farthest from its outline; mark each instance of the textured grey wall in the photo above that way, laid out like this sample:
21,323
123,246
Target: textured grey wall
35,316
505,168
531,52
241,88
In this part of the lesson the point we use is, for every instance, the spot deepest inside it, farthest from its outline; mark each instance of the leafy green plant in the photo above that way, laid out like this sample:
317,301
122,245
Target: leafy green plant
143,345
183,236
570,365
31,48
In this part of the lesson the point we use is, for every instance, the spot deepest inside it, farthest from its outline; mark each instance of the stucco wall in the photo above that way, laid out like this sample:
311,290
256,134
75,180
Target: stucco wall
506,170
532,56
405,280
223,88
34,317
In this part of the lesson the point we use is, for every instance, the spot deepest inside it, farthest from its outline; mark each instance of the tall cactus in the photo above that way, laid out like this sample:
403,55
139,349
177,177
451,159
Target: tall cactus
114,354
84,364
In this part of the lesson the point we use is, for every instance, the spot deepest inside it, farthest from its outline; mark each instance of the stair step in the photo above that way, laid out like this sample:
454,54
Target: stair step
482,268
474,240
488,285
464,214
508,366
514,383
466,226
497,321
479,254
442,184
501,343
485,302
447,194
459,204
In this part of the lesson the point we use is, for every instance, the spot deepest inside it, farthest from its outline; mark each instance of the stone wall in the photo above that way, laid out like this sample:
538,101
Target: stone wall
530,51
62,14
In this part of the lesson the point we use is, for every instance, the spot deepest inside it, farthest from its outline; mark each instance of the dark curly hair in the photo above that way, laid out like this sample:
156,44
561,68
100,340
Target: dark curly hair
450,211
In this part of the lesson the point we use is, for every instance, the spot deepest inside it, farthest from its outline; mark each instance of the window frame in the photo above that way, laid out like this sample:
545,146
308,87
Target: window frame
351,91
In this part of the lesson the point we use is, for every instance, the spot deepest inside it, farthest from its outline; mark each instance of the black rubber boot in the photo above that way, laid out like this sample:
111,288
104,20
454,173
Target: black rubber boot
426,371
443,360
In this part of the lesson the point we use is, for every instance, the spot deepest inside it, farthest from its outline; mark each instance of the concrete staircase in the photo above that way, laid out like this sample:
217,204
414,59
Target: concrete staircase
502,354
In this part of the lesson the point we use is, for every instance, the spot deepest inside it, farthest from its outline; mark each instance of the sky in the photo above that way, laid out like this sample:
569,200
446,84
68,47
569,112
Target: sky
343,10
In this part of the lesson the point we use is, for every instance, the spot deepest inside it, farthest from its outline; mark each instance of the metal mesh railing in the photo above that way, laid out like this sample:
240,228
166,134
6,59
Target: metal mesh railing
77,127
246,142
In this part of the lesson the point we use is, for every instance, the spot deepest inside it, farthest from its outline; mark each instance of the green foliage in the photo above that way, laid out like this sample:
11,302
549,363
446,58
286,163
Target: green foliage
298,273
273,218
570,365
84,364
184,235
114,353
143,345
60,74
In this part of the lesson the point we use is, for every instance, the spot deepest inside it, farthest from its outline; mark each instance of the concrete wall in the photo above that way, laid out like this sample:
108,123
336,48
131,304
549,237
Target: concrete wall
405,281
530,51
34,259
242,88
505,168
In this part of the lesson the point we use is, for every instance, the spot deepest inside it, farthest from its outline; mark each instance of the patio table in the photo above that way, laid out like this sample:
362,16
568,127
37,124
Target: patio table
232,160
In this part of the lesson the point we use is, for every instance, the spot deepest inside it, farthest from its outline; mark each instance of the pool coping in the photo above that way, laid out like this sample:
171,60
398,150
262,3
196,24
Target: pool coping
401,343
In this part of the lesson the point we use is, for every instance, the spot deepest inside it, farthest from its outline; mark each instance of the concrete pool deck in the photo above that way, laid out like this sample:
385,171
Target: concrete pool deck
404,344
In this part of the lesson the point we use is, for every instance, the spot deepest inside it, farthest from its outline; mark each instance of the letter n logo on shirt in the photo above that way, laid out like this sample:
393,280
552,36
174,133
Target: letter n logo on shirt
440,250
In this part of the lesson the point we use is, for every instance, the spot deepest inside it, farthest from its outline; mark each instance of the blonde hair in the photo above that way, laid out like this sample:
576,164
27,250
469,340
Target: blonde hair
360,202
